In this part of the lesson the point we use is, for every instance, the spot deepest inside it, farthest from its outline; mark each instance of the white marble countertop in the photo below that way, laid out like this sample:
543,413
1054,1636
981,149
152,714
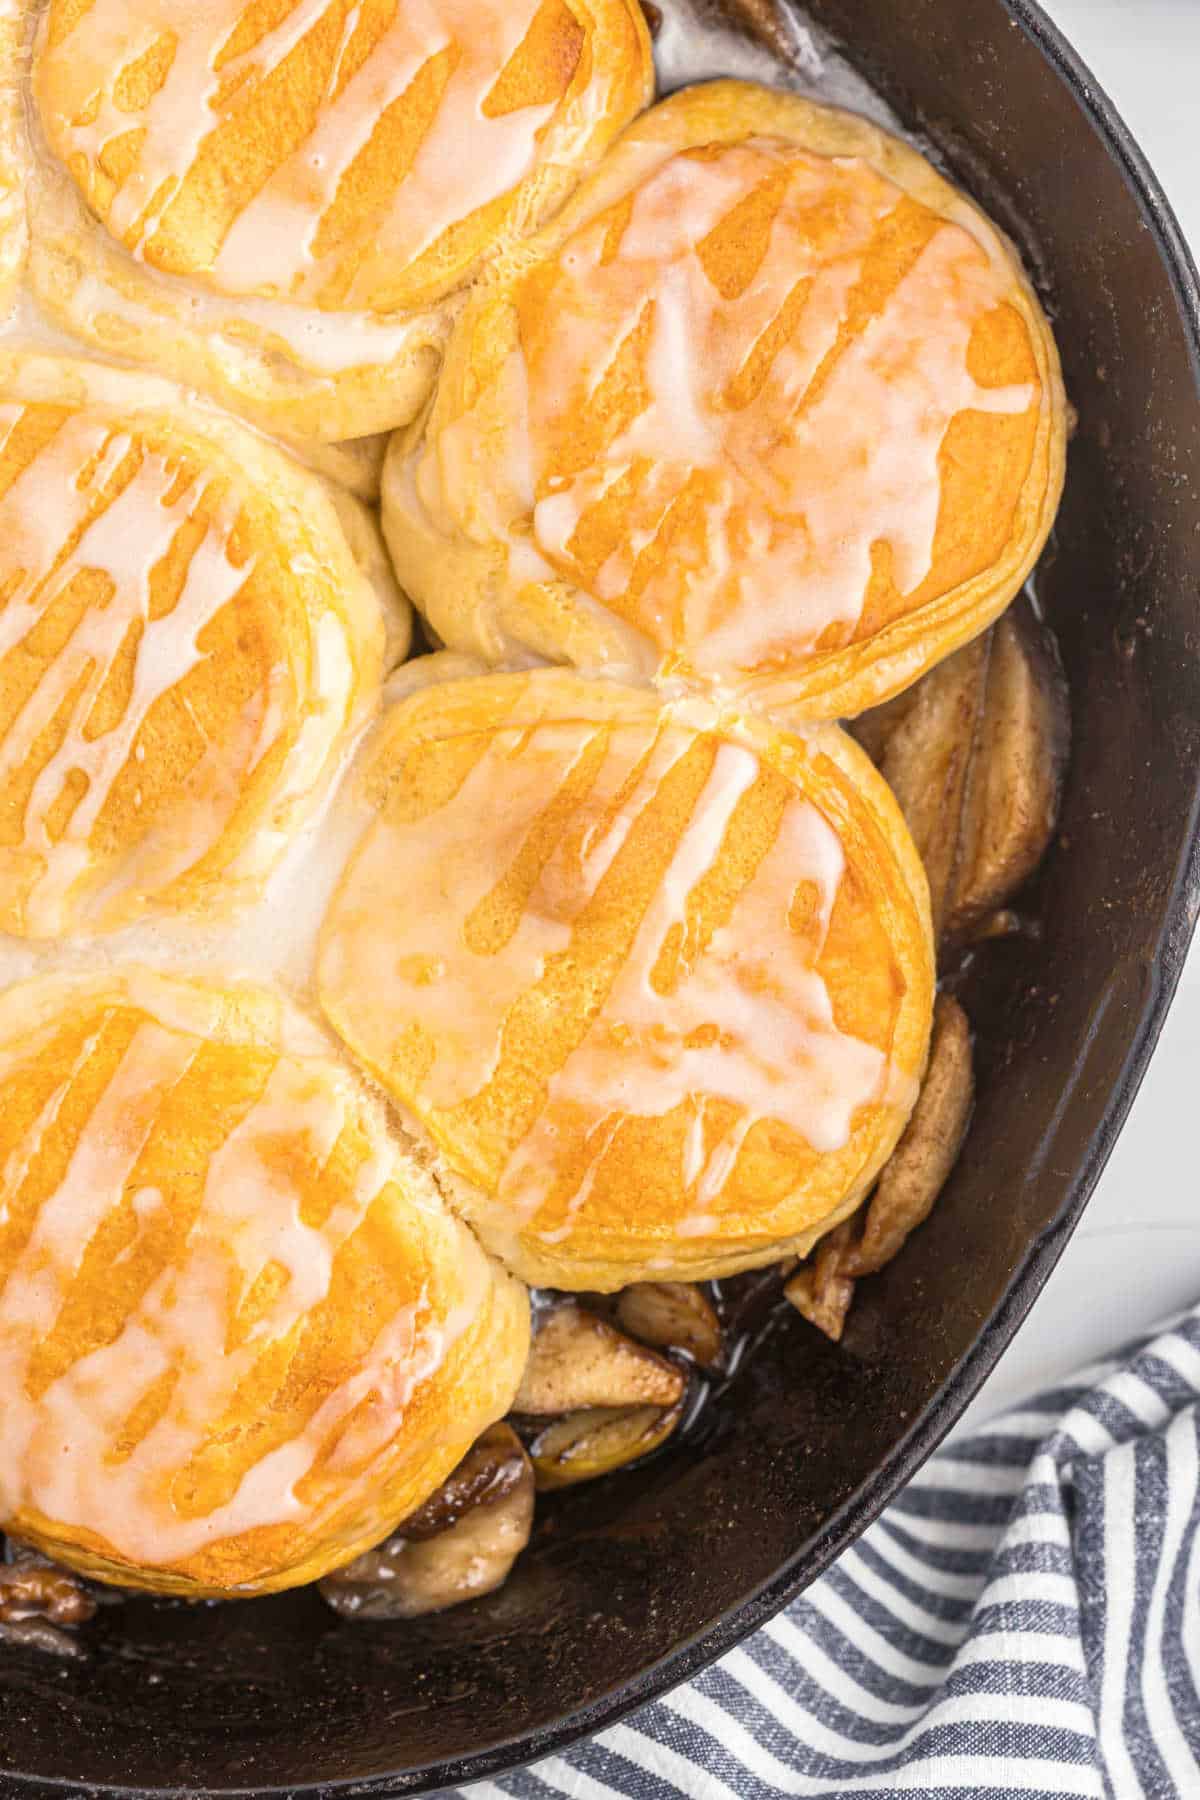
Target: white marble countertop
1136,1254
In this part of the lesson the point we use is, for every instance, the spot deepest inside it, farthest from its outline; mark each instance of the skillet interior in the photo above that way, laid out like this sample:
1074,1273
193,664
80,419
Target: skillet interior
632,1584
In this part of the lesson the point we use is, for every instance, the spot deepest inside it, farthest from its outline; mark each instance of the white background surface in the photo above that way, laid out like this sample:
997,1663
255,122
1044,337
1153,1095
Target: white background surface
1136,1255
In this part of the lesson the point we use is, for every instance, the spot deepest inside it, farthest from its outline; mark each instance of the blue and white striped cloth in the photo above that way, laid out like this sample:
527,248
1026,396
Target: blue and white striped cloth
1023,1621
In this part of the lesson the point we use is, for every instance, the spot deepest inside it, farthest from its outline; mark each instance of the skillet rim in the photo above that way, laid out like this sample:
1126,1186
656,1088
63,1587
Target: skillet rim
815,1555
946,1407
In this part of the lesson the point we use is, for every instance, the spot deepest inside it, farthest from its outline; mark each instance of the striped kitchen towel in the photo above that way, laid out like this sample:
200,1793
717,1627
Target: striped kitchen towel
1024,1620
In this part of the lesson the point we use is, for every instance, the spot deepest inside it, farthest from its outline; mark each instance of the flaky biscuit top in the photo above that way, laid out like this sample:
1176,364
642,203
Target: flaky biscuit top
345,155
239,1334
188,644
768,394
656,986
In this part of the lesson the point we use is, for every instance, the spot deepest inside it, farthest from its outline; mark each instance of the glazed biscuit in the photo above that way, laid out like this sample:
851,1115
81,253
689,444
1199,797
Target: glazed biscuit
240,1334
769,408
652,979
194,631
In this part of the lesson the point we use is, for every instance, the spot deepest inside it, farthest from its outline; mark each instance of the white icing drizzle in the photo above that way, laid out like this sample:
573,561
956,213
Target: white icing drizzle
462,996
67,512
776,1053
466,158
56,1450
131,299
125,541
750,1022
461,999
324,343
799,486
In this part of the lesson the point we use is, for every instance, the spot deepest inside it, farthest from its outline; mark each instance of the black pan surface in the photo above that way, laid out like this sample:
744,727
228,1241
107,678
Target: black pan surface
634,1584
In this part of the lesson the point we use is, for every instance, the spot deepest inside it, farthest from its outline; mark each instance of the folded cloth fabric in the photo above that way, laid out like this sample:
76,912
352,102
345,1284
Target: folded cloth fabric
1024,1620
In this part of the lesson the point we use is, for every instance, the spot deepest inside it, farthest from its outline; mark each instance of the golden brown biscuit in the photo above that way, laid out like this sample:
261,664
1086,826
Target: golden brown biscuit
653,978
192,634
240,1334
769,405
276,199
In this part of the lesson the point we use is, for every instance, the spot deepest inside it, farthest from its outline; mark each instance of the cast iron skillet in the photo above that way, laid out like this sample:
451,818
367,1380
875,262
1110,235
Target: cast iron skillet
635,1583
